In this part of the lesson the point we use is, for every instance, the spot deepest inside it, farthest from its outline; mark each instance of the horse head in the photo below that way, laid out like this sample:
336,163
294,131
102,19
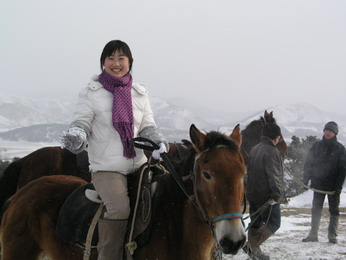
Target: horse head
253,132
282,146
218,185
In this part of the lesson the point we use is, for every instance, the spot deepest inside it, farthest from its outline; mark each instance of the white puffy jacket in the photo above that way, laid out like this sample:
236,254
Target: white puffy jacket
94,114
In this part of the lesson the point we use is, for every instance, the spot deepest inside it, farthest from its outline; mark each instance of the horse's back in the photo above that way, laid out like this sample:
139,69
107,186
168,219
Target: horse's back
46,189
42,162
46,161
31,215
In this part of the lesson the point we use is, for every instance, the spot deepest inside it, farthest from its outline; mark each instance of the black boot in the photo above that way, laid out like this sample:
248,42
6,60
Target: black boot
315,225
255,239
332,229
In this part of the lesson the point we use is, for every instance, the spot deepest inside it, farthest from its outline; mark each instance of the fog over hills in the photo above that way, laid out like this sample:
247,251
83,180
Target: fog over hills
42,121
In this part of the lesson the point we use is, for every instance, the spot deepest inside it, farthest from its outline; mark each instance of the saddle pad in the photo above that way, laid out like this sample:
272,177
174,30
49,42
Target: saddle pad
77,212
75,217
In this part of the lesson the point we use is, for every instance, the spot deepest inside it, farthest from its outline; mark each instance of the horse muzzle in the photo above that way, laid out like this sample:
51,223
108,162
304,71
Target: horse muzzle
230,236
229,246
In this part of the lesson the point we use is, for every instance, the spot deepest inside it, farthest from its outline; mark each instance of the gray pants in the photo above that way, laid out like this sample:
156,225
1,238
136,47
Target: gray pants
112,188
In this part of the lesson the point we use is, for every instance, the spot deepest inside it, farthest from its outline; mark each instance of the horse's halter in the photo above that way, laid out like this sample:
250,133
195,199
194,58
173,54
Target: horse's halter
211,221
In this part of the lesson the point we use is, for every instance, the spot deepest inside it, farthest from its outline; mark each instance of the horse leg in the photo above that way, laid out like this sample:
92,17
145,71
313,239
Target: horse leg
29,250
58,250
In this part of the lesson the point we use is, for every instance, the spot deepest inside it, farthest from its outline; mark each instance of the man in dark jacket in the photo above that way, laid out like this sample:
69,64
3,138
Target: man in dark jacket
325,166
264,190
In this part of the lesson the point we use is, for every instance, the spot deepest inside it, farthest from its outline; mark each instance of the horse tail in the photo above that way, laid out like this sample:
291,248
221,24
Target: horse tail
9,181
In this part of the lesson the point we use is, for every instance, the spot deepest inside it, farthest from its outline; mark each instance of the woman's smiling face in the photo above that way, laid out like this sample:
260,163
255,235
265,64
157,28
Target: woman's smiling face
117,65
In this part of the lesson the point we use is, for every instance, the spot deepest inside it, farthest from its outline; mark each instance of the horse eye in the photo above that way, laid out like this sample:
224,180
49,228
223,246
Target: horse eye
206,176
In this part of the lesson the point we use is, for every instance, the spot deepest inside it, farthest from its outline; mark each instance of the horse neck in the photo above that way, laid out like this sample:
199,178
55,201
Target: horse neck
195,229
188,224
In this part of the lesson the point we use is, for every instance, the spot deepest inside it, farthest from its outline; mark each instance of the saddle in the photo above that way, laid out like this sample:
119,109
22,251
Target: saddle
77,212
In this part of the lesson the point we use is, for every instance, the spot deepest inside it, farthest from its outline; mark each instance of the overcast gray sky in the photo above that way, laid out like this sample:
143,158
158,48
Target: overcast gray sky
230,55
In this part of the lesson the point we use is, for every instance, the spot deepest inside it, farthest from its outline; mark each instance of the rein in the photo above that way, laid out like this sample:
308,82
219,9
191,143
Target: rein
296,179
306,186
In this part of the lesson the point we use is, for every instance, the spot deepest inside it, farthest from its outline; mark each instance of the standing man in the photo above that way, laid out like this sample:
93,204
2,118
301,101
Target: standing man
264,189
325,166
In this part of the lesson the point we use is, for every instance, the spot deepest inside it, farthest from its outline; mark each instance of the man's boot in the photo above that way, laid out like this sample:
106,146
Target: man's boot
315,225
111,239
255,239
332,229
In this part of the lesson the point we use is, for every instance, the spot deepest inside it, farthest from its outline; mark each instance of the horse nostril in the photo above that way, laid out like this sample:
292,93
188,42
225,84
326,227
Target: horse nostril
230,247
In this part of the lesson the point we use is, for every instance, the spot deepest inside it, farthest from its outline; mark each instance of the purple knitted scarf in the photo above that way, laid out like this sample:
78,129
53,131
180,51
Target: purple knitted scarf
122,114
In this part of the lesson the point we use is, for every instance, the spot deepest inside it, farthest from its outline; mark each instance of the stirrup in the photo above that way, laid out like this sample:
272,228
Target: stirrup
131,246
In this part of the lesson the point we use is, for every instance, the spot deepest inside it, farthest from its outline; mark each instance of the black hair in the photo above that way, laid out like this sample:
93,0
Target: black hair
113,46
271,130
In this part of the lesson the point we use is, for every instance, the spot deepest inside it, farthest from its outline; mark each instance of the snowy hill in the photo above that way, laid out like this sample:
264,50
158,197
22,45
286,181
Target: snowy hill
303,120
25,119
18,111
38,120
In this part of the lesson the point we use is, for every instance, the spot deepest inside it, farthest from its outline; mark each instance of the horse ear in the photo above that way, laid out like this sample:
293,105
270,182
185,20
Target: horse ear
268,116
236,135
197,138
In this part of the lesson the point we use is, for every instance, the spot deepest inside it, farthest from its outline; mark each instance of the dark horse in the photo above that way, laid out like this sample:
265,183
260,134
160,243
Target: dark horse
253,132
180,229
45,161
54,160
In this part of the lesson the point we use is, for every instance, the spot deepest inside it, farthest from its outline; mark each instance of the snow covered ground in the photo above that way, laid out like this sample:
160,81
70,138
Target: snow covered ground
295,225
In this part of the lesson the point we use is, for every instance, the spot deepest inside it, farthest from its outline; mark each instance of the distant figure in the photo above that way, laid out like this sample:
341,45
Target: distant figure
325,166
264,188
110,112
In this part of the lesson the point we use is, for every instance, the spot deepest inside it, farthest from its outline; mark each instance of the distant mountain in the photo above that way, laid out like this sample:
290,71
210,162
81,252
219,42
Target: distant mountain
18,111
303,120
47,133
25,119
39,120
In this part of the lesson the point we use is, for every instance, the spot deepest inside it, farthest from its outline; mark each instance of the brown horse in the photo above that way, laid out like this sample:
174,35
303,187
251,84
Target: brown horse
45,161
183,227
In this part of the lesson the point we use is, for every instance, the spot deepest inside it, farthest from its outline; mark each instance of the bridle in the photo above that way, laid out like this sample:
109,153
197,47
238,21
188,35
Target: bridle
211,221
217,254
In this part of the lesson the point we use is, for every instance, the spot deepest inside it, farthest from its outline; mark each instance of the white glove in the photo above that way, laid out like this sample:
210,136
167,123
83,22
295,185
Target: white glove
272,202
73,140
156,154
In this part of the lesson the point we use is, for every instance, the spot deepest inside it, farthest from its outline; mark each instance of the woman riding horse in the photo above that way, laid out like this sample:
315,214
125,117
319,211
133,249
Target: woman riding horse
183,227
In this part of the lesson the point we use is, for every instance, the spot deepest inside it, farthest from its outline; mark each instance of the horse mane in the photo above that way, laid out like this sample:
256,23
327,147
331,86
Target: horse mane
252,128
185,167
215,138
